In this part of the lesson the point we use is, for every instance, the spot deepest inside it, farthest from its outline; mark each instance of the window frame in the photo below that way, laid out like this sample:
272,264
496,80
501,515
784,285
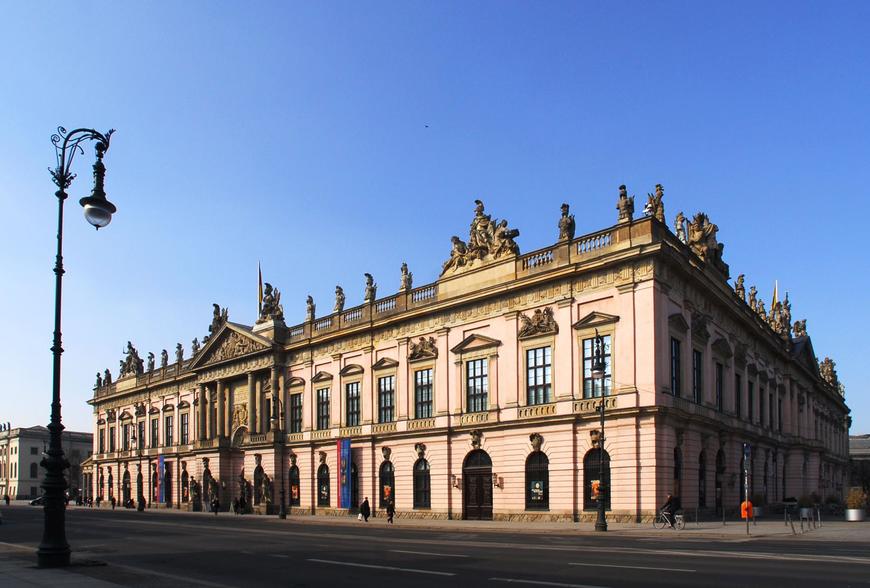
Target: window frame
676,364
168,423
420,403
422,479
297,403
604,386
323,475
536,472
353,409
323,408
184,428
386,410
543,392
697,375
477,400
719,384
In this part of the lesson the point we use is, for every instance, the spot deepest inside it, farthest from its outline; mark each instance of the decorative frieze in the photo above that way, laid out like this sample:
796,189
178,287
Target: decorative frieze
419,424
384,428
538,410
474,418
590,405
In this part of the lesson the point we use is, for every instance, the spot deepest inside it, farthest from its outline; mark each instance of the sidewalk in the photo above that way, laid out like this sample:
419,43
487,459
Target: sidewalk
18,568
733,530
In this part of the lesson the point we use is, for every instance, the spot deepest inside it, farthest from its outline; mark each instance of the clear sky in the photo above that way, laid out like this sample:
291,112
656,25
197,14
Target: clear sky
329,139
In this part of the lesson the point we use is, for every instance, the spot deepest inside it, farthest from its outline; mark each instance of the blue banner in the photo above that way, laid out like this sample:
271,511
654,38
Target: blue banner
160,467
344,469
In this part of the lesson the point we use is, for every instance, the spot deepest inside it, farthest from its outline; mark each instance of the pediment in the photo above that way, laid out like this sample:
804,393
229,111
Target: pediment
803,353
678,322
385,363
351,369
595,319
168,408
231,341
475,342
722,347
125,416
321,377
153,410
295,381
183,404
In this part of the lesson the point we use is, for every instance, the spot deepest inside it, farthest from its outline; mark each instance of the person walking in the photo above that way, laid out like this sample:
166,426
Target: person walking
242,504
365,510
215,505
112,500
391,511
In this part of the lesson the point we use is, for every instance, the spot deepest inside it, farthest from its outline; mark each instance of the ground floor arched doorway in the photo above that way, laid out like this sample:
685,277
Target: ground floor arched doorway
477,486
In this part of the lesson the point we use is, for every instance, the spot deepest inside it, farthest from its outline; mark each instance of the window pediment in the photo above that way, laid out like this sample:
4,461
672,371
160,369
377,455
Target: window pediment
351,369
595,319
722,347
295,381
321,377
678,322
385,363
475,342
125,416
153,410
183,404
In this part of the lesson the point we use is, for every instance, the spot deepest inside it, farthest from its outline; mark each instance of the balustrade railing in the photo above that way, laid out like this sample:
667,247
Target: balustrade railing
323,323
424,293
537,259
594,242
386,305
352,315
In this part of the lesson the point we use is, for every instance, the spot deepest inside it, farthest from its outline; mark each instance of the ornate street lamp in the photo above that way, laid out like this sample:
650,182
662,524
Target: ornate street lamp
598,373
282,511
54,551
140,499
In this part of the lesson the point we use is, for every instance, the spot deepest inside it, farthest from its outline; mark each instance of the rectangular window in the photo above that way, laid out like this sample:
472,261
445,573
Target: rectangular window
184,428
750,402
386,394
538,375
423,394
351,403
102,441
154,434
167,431
323,408
125,437
111,439
676,383
761,406
770,411
738,393
779,414
268,413
34,451
476,385
140,439
697,375
720,384
593,388
296,413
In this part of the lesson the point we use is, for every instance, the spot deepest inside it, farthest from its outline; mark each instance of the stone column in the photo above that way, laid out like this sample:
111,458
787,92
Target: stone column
276,397
221,418
203,412
252,400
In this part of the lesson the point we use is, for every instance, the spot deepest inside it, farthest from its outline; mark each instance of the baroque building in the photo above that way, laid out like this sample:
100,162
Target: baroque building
472,397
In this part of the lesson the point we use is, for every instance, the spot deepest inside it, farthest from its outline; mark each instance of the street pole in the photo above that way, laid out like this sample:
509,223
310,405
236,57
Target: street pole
54,551
598,375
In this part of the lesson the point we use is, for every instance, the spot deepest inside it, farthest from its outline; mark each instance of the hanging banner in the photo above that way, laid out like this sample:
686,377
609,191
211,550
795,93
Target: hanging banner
160,469
344,473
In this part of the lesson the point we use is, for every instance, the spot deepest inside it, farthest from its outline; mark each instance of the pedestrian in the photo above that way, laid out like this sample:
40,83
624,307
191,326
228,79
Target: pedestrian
391,510
6,499
215,505
242,504
112,500
365,510
235,506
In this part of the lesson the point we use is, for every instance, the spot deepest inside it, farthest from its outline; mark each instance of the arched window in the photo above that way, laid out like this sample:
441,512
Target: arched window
678,471
294,486
139,487
591,475
185,495
323,485
387,484
258,484
422,484
354,486
167,484
125,487
111,485
720,474
34,470
155,491
702,480
537,481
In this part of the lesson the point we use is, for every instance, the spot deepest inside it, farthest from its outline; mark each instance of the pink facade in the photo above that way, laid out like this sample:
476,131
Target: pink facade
405,376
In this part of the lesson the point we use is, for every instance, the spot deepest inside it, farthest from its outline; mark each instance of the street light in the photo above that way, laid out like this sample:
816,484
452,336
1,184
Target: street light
282,511
140,499
598,373
54,551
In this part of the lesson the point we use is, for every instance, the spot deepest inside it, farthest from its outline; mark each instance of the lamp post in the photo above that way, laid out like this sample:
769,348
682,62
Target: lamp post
140,499
598,372
282,510
54,551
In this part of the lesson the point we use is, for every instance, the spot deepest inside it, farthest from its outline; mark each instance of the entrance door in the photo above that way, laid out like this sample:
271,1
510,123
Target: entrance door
477,486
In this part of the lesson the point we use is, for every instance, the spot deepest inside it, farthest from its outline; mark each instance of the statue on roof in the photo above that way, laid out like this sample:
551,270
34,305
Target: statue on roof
739,289
481,232
625,205
107,377
828,371
194,347
503,240
680,227
761,312
407,278
655,203
132,364
271,308
800,328
164,359
488,239
339,299
219,317
371,289
179,354
566,224
150,361
310,308
786,311
753,298
458,255
99,383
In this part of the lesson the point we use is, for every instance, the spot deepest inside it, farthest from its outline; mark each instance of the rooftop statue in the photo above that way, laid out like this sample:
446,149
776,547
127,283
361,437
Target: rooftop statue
179,354
132,363
566,224
407,278
271,308
739,289
503,240
310,308
194,346
107,377
786,311
680,227
828,371
371,289
655,205
339,299
99,383
761,312
164,359
800,328
625,205
480,235
219,317
488,239
150,361
458,255
753,302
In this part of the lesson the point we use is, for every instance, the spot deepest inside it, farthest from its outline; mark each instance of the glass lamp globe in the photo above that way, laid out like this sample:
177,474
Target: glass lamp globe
98,211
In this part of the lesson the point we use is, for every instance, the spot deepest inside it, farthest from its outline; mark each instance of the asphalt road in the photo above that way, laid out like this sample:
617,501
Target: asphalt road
168,549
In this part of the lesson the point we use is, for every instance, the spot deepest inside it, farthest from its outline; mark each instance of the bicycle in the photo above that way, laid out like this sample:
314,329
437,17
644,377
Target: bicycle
661,521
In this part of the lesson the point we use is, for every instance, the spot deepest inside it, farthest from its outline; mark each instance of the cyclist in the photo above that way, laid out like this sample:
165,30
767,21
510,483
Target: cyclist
669,508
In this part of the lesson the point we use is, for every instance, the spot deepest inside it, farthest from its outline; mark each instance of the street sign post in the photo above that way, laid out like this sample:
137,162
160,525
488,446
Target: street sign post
747,454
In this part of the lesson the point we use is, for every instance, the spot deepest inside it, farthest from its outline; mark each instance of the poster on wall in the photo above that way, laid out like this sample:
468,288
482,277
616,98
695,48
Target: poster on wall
160,470
344,473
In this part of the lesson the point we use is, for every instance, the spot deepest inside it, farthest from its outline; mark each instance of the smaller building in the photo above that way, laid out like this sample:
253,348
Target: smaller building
21,452
859,462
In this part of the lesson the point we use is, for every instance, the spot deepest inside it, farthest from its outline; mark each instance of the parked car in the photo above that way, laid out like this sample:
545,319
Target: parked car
38,501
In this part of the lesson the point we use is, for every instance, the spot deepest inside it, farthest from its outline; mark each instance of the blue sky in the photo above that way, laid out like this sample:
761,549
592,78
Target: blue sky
296,134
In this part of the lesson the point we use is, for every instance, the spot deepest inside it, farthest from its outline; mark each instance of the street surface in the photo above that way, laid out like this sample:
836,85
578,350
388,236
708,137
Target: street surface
195,549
